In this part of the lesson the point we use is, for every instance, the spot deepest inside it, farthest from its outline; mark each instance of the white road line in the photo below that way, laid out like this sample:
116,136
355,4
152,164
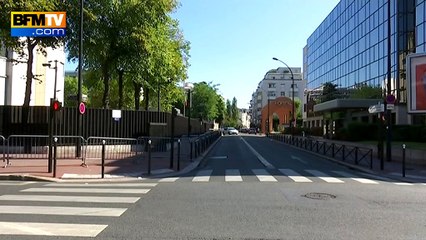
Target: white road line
298,159
408,175
403,184
294,175
14,183
169,179
263,175
378,177
361,180
89,190
51,229
69,211
233,175
101,185
50,198
203,176
324,176
261,159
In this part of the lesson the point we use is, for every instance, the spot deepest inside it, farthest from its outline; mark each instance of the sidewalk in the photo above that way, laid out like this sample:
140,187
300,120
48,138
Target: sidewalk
122,169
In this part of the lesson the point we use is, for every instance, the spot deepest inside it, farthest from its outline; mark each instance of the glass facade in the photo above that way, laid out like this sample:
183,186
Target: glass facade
350,46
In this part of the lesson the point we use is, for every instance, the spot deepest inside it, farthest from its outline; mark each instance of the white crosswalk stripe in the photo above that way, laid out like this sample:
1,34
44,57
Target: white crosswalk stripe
361,180
264,176
169,179
51,229
294,175
27,202
324,176
233,175
203,176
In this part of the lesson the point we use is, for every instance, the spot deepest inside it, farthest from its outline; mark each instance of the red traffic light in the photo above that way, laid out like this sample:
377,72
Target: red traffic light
56,105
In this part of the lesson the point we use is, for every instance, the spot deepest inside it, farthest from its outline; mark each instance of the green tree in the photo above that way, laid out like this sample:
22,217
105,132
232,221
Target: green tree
70,89
24,47
367,92
118,35
329,92
221,110
204,101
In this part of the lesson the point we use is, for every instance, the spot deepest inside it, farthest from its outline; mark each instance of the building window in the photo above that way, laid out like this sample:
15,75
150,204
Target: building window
282,94
271,85
271,94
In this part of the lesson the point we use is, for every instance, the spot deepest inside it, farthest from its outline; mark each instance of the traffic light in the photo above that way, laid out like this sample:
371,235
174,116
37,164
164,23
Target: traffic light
56,106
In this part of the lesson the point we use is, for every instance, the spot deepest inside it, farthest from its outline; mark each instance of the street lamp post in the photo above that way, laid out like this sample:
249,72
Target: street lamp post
293,118
189,86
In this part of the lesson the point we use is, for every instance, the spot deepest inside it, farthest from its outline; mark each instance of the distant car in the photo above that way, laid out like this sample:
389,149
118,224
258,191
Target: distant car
232,131
252,131
244,130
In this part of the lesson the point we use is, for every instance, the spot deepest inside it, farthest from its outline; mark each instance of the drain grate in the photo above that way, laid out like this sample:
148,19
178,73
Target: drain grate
319,196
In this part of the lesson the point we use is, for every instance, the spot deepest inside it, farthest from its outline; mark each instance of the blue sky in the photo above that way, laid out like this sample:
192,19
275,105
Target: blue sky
233,41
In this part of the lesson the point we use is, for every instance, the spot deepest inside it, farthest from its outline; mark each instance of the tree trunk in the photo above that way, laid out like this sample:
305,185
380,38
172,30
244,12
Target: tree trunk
105,75
146,98
120,88
137,95
30,47
26,107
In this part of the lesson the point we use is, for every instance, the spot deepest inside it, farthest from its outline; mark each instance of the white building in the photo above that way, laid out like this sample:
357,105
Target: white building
244,117
13,77
276,83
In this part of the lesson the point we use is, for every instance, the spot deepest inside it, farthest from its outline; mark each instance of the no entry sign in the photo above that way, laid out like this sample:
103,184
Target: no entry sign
82,108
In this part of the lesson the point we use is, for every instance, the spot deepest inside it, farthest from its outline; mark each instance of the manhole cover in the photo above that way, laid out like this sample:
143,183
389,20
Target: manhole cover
319,196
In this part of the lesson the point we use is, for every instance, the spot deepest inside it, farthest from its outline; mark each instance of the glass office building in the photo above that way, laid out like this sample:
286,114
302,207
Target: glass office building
350,46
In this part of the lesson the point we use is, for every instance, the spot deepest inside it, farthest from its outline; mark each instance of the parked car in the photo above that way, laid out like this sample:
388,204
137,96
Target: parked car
252,131
232,131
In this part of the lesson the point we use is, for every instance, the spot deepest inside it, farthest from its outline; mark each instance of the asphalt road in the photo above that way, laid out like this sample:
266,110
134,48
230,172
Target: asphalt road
247,188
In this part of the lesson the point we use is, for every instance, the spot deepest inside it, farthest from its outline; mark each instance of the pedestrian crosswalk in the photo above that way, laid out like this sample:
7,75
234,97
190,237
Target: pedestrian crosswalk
67,202
273,176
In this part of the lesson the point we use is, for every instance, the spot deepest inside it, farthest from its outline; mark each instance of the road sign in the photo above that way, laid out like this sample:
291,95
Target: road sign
390,99
82,108
376,108
390,106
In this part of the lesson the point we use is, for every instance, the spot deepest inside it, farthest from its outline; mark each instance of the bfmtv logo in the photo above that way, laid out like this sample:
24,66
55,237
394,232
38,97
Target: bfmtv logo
38,24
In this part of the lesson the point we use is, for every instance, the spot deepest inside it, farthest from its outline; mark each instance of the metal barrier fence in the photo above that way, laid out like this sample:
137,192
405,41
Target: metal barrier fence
202,142
347,153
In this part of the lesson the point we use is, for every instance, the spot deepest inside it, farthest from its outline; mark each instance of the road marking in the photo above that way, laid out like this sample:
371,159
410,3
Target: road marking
51,229
233,175
203,176
219,157
14,183
294,175
69,211
101,185
324,176
261,159
263,175
361,180
89,190
378,177
169,179
298,159
50,198
403,184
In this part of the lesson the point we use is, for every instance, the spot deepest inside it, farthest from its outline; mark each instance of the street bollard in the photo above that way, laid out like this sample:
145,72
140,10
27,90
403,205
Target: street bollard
103,159
149,157
403,160
178,156
55,145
